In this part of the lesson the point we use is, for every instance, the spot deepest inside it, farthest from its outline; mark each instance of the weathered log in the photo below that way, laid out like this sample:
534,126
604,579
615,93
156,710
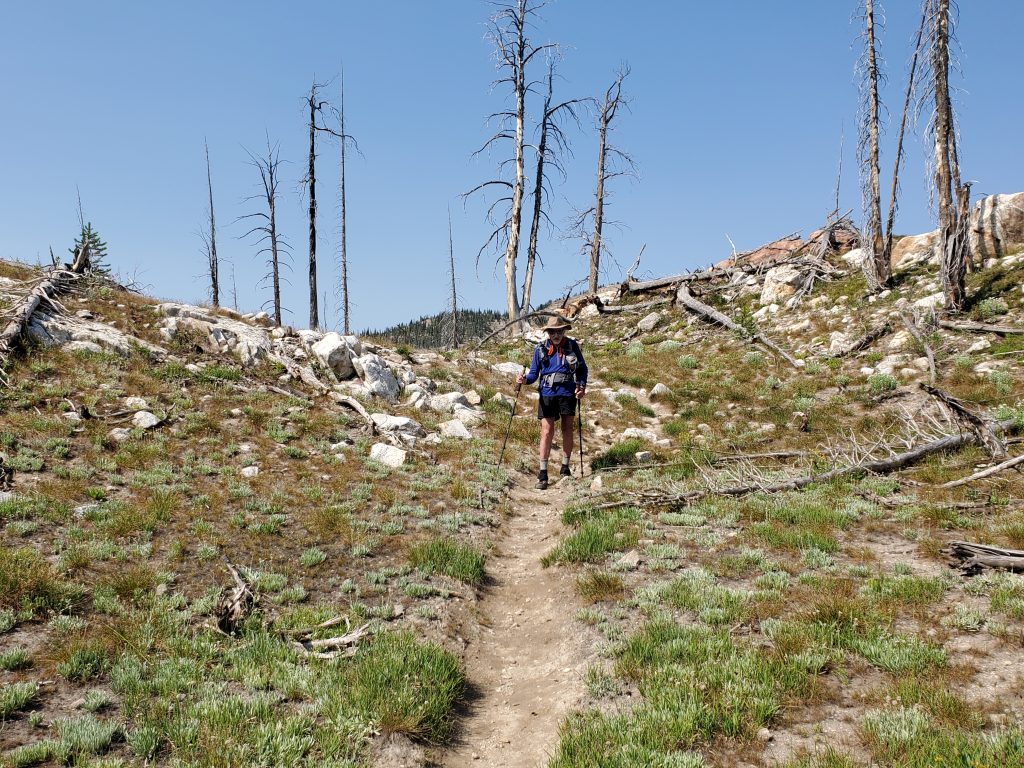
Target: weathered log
687,300
973,558
606,309
236,602
987,472
984,428
967,325
911,326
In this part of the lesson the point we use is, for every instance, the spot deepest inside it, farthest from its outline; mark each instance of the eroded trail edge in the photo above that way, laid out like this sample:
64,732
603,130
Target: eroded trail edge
527,663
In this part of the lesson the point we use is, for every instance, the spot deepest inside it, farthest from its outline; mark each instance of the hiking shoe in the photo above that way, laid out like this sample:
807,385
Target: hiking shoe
542,480
565,471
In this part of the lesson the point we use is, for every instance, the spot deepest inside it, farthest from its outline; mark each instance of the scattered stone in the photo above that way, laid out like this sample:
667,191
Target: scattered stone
934,301
446,403
660,390
236,412
250,471
468,416
377,377
641,434
473,398
631,560
509,368
501,397
456,429
401,425
72,416
388,455
337,353
763,734
779,283
119,434
979,346
145,420
854,259
643,457
597,483
650,322
83,509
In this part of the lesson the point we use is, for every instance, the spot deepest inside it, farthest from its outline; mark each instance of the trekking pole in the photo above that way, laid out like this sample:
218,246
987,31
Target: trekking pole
579,418
508,429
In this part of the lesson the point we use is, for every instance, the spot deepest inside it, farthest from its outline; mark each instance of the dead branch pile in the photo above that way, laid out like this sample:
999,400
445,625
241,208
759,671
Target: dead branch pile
973,558
235,604
329,647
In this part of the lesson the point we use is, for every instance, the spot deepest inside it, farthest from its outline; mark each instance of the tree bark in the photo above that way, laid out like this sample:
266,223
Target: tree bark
344,219
212,245
877,268
314,315
538,193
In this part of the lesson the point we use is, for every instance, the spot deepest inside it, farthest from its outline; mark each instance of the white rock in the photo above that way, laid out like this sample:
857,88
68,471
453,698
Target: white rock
597,483
136,404
398,424
779,283
446,403
892,363
643,457
934,301
650,322
455,428
145,420
509,368
660,390
337,352
867,370
854,259
468,416
250,471
377,377
120,434
979,346
640,434
501,397
388,455
473,398
71,416
899,340
418,399
83,346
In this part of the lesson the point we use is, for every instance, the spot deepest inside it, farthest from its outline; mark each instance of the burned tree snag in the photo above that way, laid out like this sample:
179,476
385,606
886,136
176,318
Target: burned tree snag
210,238
877,266
344,222
270,240
315,105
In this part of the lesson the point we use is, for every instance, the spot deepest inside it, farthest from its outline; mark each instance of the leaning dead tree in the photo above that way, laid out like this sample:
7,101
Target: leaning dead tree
269,239
953,198
210,238
453,300
611,162
552,145
514,51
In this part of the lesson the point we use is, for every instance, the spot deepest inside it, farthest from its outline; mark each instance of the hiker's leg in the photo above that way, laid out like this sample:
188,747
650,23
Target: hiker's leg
547,434
568,424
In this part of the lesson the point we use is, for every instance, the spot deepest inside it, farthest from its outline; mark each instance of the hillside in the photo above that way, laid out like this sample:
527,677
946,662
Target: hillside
706,594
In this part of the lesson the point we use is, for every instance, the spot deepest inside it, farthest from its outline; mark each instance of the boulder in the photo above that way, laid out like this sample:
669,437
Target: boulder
473,397
913,250
932,302
377,377
501,397
337,352
250,471
136,404
996,226
145,420
641,434
660,390
649,322
779,283
455,428
838,342
509,368
468,416
854,259
446,403
216,334
74,333
401,425
388,455
119,434
892,363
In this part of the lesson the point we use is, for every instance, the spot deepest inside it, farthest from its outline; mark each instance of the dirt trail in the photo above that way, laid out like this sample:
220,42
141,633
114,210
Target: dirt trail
527,664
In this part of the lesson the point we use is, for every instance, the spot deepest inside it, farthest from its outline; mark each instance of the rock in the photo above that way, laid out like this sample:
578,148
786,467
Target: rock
446,403
650,322
250,471
892,363
75,333
597,483
468,416
779,283
660,390
83,346
763,734
473,398
643,457
866,370
854,259
377,377
145,420
996,226
455,428
71,416
217,334
418,400
136,404
337,352
630,560
979,346
119,434
913,250
641,434
388,455
934,301
401,425
501,397
838,342
510,369
900,340
84,314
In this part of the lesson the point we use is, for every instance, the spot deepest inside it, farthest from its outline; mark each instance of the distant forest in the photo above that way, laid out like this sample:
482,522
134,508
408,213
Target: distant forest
435,331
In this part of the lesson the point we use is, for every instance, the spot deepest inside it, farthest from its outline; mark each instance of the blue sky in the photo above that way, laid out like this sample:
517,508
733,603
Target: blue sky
735,122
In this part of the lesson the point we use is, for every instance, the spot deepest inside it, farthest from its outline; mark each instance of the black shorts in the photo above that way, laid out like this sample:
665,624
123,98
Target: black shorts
555,406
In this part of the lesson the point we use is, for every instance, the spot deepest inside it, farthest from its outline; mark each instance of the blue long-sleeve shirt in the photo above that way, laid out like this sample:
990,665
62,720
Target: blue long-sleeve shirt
556,363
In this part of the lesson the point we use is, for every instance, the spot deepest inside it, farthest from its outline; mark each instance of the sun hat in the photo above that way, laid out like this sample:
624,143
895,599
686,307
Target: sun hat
557,323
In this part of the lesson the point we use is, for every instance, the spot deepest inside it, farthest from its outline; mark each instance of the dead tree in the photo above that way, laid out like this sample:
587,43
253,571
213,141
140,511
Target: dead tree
952,197
551,146
270,240
514,52
344,211
611,162
877,267
453,301
210,238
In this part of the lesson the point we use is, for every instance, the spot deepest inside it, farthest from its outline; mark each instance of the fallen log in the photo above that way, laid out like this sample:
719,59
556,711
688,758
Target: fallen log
973,558
606,309
876,466
966,325
983,428
699,308
987,472
866,340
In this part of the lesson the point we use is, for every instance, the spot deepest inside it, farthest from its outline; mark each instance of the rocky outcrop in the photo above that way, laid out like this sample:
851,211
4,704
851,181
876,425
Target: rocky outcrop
337,352
996,226
914,249
214,333
377,377
780,283
53,330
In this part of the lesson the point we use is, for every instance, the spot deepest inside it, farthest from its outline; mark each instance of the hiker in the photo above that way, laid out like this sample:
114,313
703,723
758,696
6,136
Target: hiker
558,363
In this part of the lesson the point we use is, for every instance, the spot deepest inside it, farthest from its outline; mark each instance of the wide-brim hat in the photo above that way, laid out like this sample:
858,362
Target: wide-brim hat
557,323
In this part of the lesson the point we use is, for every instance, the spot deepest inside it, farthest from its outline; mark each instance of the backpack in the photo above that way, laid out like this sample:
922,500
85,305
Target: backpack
572,359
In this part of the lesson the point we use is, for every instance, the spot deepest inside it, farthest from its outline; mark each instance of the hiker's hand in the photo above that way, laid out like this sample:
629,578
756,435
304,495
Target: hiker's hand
580,392
519,379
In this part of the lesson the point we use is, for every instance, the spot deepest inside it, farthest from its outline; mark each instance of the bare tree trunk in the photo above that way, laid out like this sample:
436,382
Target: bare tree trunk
877,268
269,236
454,300
518,187
951,247
275,257
891,219
212,242
538,193
314,107
344,222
